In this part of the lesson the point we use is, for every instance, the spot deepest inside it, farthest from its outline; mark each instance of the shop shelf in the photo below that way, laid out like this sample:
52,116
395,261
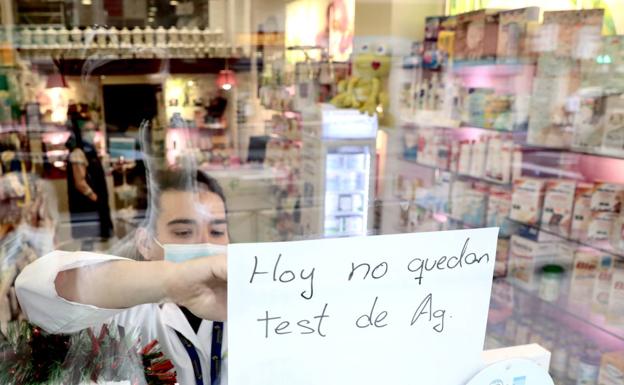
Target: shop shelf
519,137
601,247
458,175
579,318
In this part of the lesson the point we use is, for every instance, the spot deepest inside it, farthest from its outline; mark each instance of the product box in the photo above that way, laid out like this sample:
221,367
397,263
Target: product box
600,226
514,32
527,257
476,36
498,166
607,197
584,273
588,120
475,205
479,153
613,129
569,30
526,200
558,204
611,369
615,310
581,215
458,195
502,258
551,116
499,205
465,157
602,285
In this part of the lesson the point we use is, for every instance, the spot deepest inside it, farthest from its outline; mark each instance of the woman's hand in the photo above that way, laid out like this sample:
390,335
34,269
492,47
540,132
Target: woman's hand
199,285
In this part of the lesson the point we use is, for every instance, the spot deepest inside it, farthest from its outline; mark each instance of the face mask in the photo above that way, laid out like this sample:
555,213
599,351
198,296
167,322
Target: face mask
180,252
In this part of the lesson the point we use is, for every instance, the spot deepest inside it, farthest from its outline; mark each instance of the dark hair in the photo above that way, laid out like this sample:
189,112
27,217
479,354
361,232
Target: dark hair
178,180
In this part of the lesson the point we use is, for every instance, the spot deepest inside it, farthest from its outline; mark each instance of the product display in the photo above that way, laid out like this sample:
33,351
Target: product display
215,122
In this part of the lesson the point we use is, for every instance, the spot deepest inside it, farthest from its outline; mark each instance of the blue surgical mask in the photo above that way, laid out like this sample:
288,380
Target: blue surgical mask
181,252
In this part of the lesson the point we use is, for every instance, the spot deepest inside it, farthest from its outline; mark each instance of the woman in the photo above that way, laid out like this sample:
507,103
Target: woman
171,295
86,186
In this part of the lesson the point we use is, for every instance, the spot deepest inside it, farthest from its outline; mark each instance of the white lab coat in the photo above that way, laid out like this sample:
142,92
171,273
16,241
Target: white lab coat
37,295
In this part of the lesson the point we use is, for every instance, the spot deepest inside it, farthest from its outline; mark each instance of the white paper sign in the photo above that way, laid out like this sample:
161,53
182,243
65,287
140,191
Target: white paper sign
393,309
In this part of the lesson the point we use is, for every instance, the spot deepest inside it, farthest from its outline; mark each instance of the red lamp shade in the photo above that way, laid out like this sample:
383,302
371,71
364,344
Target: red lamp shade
56,81
226,79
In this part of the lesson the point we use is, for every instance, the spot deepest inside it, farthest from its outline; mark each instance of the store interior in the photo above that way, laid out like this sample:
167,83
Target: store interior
345,118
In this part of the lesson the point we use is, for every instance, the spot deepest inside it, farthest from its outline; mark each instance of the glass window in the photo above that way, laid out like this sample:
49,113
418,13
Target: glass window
137,137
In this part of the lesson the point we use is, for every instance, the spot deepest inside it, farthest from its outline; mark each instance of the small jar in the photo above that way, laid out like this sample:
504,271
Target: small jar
550,283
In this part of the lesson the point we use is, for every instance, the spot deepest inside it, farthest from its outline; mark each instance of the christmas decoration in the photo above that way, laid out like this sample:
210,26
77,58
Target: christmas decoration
30,356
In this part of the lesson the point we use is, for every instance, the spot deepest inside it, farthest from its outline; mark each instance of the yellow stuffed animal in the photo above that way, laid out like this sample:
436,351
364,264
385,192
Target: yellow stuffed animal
365,89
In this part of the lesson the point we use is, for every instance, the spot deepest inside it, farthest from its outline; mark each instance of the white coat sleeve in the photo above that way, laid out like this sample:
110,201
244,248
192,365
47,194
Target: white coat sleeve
36,293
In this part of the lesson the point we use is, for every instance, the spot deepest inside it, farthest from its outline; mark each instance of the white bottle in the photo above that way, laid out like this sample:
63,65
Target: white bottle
137,38
148,34
26,38
51,37
113,38
161,37
63,38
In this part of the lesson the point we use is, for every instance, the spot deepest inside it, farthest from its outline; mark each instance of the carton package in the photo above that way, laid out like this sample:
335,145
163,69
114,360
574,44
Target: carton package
498,166
607,197
600,226
581,216
572,32
476,36
514,33
588,120
551,116
502,258
526,200
584,273
527,257
611,369
558,204
475,201
499,205
602,285
613,139
615,309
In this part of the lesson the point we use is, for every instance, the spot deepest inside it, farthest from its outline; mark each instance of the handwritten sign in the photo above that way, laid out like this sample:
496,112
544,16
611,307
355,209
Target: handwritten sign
392,309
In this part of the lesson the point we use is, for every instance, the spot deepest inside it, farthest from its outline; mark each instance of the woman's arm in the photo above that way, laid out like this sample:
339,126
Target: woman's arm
64,292
199,285
79,169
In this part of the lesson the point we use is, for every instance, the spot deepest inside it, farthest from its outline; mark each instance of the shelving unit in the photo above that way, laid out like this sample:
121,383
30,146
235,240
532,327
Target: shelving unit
562,325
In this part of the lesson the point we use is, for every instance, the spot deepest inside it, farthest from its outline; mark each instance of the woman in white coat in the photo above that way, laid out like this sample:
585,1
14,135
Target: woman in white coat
174,294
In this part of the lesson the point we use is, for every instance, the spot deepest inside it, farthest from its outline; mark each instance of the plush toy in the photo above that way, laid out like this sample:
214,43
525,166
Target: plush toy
365,89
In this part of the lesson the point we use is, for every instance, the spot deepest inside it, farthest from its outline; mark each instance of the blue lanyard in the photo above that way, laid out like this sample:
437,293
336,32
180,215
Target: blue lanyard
215,355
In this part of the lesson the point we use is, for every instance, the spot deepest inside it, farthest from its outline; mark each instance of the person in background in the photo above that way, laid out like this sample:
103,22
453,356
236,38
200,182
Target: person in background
86,186
175,292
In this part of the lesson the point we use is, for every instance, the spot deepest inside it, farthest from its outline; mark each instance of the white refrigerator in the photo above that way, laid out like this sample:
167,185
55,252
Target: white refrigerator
338,172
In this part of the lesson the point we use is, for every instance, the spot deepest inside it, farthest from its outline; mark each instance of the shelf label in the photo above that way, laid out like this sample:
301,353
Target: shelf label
397,309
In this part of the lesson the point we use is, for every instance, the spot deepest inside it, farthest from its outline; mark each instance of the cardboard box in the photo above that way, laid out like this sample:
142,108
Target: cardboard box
613,130
513,33
611,369
602,285
615,309
502,258
527,257
569,29
584,273
607,197
581,216
476,36
526,200
558,205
